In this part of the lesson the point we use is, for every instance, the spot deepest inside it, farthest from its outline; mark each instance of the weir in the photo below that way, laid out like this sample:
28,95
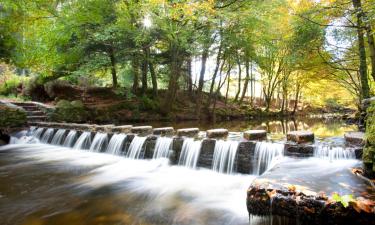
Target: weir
224,156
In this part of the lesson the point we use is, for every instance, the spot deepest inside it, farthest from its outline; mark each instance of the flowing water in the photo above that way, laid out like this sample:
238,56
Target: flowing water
162,147
267,154
58,137
84,141
190,153
48,134
100,142
116,144
332,153
38,133
70,139
224,156
136,147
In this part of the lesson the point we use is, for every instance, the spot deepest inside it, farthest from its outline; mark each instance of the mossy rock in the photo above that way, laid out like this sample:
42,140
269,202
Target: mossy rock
12,116
369,150
67,111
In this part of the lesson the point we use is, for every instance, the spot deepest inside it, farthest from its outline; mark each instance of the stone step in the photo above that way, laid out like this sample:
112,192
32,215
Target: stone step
217,133
188,132
30,108
24,104
35,113
36,118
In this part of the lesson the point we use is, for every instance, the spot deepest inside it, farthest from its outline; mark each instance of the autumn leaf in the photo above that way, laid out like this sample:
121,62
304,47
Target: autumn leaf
362,204
292,188
272,193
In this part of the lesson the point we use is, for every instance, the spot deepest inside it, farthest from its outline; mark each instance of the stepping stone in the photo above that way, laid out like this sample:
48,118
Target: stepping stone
255,135
355,138
104,128
122,129
300,137
217,133
188,132
163,131
142,130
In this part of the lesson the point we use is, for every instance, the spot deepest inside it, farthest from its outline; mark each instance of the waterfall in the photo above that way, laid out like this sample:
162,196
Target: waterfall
58,137
31,131
47,135
190,153
84,141
224,156
162,147
38,133
116,144
333,152
135,147
100,142
266,153
70,138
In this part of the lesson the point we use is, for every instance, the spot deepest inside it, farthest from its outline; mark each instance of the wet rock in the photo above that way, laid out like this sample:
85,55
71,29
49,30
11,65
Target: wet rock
255,135
4,138
164,131
149,146
245,157
300,136
177,148
299,150
355,138
188,132
142,130
122,129
217,133
207,153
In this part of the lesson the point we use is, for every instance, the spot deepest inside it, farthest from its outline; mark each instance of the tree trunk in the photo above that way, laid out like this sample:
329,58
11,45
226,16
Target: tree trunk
175,70
153,79
362,51
298,89
135,66
217,67
189,77
371,46
201,81
239,80
252,84
144,72
226,94
113,67
245,85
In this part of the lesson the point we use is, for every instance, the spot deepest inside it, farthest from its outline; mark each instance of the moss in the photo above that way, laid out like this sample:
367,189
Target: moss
369,150
67,111
12,116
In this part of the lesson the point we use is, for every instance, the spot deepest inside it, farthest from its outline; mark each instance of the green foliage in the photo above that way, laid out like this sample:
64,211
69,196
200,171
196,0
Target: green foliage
148,104
67,111
369,150
344,199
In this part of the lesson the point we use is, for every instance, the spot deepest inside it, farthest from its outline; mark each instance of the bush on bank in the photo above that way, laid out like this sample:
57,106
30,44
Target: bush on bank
369,150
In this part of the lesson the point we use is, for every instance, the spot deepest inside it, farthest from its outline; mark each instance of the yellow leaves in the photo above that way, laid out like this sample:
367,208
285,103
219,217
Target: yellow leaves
292,188
272,193
362,204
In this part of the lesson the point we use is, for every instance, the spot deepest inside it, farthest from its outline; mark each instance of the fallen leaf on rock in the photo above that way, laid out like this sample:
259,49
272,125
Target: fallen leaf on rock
272,193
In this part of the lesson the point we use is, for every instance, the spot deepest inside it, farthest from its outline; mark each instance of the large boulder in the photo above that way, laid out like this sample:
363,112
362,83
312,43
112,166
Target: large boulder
12,116
67,111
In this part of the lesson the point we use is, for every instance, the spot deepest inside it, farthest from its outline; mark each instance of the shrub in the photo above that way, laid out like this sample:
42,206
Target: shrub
12,116
148,104
332,104
67,111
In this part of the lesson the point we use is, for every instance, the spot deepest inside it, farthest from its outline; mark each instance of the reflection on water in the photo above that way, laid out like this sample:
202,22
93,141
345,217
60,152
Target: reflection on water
277,128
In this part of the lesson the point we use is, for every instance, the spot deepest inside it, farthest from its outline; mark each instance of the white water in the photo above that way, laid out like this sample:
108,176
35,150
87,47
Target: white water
116,144
135,147
190,153
58,137
267,154
224,156
47,135
162,147
333,152
38,133
84,141
70,138
100,141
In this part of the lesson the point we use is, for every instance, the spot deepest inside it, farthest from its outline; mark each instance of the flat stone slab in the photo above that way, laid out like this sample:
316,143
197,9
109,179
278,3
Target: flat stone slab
217,133
300,137
188,132
355,138
104,128
122,129
142,130
163,131
305,187
255,135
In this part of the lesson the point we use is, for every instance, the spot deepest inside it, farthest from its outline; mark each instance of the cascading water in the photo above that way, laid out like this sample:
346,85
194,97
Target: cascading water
116,144
162,147
100,142
190,153
38,133
266,153
333,152
84,141
135,147
70,138
47,135
224,156
58,137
